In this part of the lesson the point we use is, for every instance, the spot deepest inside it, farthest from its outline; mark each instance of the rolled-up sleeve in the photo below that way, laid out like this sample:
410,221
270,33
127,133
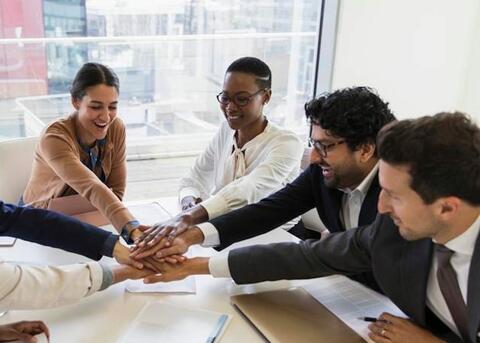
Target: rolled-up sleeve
34,287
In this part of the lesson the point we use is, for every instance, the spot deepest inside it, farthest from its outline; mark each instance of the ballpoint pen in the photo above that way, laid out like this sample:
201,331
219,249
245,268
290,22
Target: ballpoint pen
217,329
372,319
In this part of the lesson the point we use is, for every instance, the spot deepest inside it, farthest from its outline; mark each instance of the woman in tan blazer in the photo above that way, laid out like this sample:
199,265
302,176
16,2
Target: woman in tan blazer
84,153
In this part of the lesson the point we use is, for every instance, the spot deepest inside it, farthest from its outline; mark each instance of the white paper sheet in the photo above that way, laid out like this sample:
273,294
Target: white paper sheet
186,285
149,213
350,300
163,322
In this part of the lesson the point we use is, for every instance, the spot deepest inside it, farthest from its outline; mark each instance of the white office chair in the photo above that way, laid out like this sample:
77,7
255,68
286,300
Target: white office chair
16,158
311,220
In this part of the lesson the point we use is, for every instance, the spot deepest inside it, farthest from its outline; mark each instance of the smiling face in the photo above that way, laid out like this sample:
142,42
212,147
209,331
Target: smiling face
415,219
242,117
96,111
342,167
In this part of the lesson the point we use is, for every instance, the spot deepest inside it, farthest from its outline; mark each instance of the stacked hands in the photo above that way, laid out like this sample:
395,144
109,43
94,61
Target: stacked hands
157,252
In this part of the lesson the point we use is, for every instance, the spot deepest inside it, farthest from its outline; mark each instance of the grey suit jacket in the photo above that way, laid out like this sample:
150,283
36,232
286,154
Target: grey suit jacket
400,267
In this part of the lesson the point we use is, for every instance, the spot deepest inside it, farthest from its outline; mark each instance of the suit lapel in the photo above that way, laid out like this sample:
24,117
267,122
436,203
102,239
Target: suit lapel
417,257
473,296
368,212
333,206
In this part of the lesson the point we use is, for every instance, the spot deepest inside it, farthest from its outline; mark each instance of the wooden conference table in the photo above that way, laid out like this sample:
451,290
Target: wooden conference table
105,316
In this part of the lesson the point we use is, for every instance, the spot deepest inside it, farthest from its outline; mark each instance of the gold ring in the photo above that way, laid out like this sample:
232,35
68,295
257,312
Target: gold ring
382,333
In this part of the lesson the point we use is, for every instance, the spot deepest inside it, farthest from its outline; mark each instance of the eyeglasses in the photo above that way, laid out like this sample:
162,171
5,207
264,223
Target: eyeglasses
323,149
240,99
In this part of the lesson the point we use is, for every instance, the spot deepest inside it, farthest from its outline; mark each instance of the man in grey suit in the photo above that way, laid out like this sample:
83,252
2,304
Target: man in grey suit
423,248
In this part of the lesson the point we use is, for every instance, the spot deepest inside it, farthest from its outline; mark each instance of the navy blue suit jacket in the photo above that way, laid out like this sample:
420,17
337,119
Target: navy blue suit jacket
304,193
54,230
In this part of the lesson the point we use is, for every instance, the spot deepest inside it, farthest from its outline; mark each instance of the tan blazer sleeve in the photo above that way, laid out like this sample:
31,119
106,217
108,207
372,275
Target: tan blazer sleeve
61,156
32,287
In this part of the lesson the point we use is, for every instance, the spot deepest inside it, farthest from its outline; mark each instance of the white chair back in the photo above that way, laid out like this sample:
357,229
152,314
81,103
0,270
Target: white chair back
16,159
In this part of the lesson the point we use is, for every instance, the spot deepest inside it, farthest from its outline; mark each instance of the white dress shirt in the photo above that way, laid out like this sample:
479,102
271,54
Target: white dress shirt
463,247
227,177
349,214
33,287
353,199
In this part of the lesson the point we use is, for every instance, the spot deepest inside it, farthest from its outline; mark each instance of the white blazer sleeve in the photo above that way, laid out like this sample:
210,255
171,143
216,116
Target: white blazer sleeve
200,180
281,165
32,287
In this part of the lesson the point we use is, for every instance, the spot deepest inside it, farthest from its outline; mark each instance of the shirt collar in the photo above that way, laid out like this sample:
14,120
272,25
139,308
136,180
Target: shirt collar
365,184
465,243
253,140
99,143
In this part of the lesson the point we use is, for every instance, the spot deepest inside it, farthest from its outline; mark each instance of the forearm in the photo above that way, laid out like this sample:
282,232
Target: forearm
31,287
120,273
341,253
197,266
124,272
193,236
173,272
54,230
269,213
196,214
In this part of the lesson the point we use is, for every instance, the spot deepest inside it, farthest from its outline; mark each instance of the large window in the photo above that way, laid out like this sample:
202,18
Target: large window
170,57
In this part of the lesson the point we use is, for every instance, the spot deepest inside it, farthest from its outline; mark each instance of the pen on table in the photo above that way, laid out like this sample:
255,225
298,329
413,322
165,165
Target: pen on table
371,319
217,329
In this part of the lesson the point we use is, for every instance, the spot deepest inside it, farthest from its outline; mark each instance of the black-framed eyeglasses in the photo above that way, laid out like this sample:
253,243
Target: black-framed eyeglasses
240,99
323,149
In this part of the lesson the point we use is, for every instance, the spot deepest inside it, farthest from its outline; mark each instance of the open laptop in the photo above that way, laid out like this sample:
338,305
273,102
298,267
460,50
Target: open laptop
78,207
293,315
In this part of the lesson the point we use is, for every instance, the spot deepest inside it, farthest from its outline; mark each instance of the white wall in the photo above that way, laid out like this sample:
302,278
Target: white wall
422,56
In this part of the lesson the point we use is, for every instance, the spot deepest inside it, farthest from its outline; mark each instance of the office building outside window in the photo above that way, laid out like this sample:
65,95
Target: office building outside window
170,57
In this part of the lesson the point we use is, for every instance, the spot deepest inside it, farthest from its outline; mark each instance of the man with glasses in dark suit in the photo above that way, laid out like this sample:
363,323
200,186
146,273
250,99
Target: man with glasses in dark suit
341,181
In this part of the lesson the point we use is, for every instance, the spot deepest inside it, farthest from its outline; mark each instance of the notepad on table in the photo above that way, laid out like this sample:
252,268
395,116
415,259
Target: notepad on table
163,322
149,213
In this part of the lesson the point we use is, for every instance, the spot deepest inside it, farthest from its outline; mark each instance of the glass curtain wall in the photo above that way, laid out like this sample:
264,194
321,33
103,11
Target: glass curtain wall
170,57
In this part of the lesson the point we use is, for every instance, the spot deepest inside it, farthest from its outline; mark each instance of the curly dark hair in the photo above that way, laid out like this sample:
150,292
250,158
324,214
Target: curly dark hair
254,66
442,153
355,114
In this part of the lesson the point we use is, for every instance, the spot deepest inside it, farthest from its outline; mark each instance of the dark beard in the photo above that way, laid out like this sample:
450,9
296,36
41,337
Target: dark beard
332,183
